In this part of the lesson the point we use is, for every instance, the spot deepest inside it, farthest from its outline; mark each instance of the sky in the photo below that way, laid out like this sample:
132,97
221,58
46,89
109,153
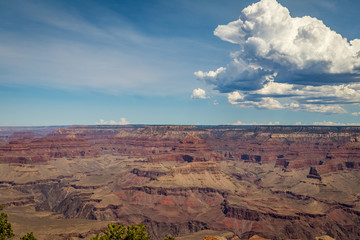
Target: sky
207,62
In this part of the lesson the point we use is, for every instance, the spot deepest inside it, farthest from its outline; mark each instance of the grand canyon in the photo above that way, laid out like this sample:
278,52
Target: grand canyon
228,182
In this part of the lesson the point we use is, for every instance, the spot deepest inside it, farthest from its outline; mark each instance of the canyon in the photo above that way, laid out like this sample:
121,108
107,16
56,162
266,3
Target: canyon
228,182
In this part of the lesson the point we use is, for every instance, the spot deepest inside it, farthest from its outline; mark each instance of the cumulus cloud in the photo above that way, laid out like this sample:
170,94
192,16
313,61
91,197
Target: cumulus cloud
235,97
199,94
298,47
122,121
355,113
284,62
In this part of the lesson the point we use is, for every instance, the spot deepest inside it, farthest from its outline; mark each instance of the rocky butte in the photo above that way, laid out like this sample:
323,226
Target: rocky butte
192,182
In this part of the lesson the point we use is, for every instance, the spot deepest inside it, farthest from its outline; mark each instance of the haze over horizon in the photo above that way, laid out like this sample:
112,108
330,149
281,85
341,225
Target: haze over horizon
180,62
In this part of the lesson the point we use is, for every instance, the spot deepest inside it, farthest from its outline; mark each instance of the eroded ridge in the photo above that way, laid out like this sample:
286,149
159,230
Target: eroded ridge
274,182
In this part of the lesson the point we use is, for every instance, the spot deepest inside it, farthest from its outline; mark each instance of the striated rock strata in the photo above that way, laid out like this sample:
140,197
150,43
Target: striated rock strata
256,182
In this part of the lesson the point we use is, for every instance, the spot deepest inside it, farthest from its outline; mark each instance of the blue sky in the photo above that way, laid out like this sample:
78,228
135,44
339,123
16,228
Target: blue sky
88,62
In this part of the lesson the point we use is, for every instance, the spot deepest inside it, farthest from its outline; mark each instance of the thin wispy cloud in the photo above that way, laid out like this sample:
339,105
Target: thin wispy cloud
60,46
283,62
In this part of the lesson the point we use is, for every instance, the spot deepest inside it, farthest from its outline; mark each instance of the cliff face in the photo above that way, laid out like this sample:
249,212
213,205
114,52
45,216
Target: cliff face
274,182
326,149
56,145
334,150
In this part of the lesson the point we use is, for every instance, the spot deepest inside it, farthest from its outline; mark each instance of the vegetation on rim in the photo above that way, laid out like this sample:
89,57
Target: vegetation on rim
114,232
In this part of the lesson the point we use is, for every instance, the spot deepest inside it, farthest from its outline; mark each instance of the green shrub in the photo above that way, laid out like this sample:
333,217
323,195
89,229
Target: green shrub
6,231
28,236
169,238
120,232
114,232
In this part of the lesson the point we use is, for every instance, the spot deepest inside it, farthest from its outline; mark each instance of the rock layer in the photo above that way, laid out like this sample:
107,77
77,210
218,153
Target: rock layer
272,182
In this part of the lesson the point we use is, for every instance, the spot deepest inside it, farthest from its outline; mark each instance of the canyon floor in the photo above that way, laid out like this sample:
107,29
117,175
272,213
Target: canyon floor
274,182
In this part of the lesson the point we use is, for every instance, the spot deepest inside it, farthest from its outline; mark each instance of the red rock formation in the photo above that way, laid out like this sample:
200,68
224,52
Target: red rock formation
275,182
329,149
286,147
55,145
188,149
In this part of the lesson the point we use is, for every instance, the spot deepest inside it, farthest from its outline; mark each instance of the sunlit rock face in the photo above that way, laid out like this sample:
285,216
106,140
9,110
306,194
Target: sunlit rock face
272,182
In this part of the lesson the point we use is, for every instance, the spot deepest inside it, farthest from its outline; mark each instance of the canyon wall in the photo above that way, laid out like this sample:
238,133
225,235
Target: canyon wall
270,181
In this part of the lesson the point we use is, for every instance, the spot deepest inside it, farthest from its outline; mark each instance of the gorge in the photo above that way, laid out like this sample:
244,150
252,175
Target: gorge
236,182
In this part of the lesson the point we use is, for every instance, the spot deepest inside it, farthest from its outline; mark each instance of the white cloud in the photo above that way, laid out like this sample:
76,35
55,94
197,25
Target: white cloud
237,98
320,108
274,123
268,33
325,123
122,121
234,97
101,122
355,113
312,97
297,63
199,94
269,103
274,88
299,103
210,74
239,123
